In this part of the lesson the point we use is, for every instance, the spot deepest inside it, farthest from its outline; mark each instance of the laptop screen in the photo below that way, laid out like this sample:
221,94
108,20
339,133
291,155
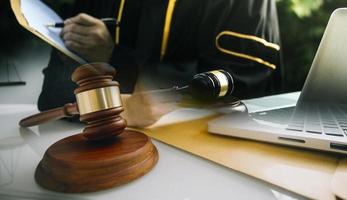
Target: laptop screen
327,80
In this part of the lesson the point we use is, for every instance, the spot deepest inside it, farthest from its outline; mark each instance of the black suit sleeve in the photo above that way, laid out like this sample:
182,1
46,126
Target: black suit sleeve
241,37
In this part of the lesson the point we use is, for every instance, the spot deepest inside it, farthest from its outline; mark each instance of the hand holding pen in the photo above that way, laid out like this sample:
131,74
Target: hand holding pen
107,21
88,37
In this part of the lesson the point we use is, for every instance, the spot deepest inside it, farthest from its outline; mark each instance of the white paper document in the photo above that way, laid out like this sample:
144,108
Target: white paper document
37,15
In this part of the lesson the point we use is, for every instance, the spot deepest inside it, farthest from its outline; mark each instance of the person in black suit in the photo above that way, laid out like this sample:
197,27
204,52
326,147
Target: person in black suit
158,44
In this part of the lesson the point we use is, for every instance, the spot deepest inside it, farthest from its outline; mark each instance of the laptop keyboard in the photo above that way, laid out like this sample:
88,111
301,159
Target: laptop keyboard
323,119
330,120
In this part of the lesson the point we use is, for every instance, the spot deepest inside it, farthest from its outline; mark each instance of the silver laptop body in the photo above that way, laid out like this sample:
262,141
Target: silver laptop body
319,119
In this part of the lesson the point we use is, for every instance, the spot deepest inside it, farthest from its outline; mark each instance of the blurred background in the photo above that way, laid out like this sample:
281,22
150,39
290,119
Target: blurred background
302,24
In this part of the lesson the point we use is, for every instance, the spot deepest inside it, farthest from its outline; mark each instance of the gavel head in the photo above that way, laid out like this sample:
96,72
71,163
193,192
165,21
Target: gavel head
212,85
99,101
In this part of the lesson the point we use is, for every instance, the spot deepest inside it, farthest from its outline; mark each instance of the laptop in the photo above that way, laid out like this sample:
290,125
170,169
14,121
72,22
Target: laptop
319,118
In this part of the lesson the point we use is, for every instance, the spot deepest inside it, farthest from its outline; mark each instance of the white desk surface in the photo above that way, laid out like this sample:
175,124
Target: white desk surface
177,176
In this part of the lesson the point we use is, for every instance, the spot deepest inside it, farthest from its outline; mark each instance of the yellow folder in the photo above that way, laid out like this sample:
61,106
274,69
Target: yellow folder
313,174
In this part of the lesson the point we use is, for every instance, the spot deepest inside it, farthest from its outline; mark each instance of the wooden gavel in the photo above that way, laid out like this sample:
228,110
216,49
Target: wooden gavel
98,103
105,154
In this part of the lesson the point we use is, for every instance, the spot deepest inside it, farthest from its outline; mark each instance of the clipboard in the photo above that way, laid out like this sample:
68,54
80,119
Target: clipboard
16,6
313,174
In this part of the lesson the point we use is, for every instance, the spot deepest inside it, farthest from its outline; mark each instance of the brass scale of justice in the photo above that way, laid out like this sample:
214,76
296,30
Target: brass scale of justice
106,154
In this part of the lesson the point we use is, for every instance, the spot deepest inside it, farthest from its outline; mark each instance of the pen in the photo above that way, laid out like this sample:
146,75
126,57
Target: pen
107,21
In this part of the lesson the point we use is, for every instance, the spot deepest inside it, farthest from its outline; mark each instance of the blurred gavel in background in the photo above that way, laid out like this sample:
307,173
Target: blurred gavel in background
97,93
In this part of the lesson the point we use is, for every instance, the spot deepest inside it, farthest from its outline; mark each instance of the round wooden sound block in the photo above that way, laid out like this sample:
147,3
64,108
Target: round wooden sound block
76,165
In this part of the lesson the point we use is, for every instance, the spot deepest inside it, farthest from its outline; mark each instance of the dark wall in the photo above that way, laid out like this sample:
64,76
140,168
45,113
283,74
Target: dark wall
12,36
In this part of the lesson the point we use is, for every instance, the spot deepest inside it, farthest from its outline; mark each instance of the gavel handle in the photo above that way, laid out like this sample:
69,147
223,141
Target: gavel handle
68,110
